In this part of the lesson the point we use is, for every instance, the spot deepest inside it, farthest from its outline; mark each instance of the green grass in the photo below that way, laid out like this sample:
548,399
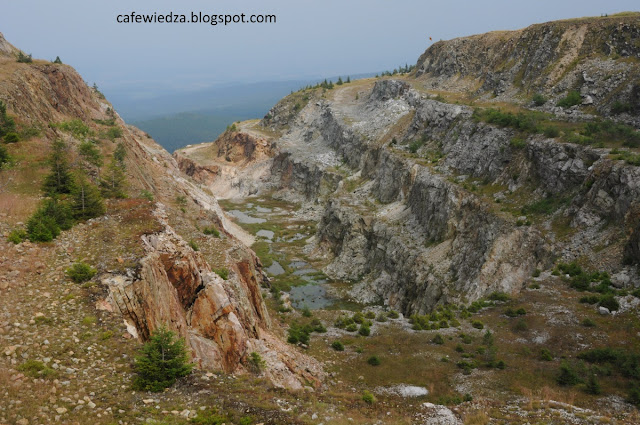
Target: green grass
76,127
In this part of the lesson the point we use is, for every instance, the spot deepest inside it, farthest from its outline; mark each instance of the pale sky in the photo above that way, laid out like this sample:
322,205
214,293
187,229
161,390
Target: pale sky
310,39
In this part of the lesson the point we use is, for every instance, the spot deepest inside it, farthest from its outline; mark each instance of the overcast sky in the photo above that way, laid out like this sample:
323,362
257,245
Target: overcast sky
310,38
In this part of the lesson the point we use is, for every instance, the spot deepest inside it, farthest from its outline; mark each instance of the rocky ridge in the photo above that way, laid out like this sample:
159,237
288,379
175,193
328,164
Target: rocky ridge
417,229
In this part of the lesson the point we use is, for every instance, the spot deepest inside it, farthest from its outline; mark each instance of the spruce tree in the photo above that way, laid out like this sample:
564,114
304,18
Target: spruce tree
7,124
4,156
86,200
60,179
91,157
162,360
58,61
114,182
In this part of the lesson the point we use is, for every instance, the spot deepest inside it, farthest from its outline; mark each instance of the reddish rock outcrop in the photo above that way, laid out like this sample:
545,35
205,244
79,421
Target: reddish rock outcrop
222,321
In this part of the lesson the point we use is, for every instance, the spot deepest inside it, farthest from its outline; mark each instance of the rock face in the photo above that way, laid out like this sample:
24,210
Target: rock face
548,58
232,166
414,235
222,321
421,202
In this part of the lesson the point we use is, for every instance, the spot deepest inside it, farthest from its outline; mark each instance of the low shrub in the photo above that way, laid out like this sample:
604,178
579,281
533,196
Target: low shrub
337,345
81,272
571,99
538,99
567,377
477,324
212,231
17,236
368,397
373,361
222,272
438,339
393,314
364,330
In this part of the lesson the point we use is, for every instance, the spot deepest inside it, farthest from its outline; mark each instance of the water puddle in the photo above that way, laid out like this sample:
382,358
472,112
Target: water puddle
312,296
245,218
298,264
268,234
275,269
303,272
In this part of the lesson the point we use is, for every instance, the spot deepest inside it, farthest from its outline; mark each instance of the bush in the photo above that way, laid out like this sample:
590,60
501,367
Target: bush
255,362
368,397
521,326
306,312
161,361
381,318
539,99
222,272
211,231
352,327
364,330
4,156
42,228
317,326
337,345
487,339
593,386
22,58
438,339
393,314
498,296
567,376
621,107
373,361
81,272
17,236
588,323
590,299
37,369
477,324
208,417
194,245
299,334
573,98
545,355
11,137
609,302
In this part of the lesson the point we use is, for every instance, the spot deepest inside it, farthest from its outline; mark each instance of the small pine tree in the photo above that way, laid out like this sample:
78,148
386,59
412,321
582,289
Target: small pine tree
348,80
60,179
22,58
113,186
339,82
162,360
4,156
567,376
42,227
57,60
91,156
59,210
7,124
87,201
593,386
